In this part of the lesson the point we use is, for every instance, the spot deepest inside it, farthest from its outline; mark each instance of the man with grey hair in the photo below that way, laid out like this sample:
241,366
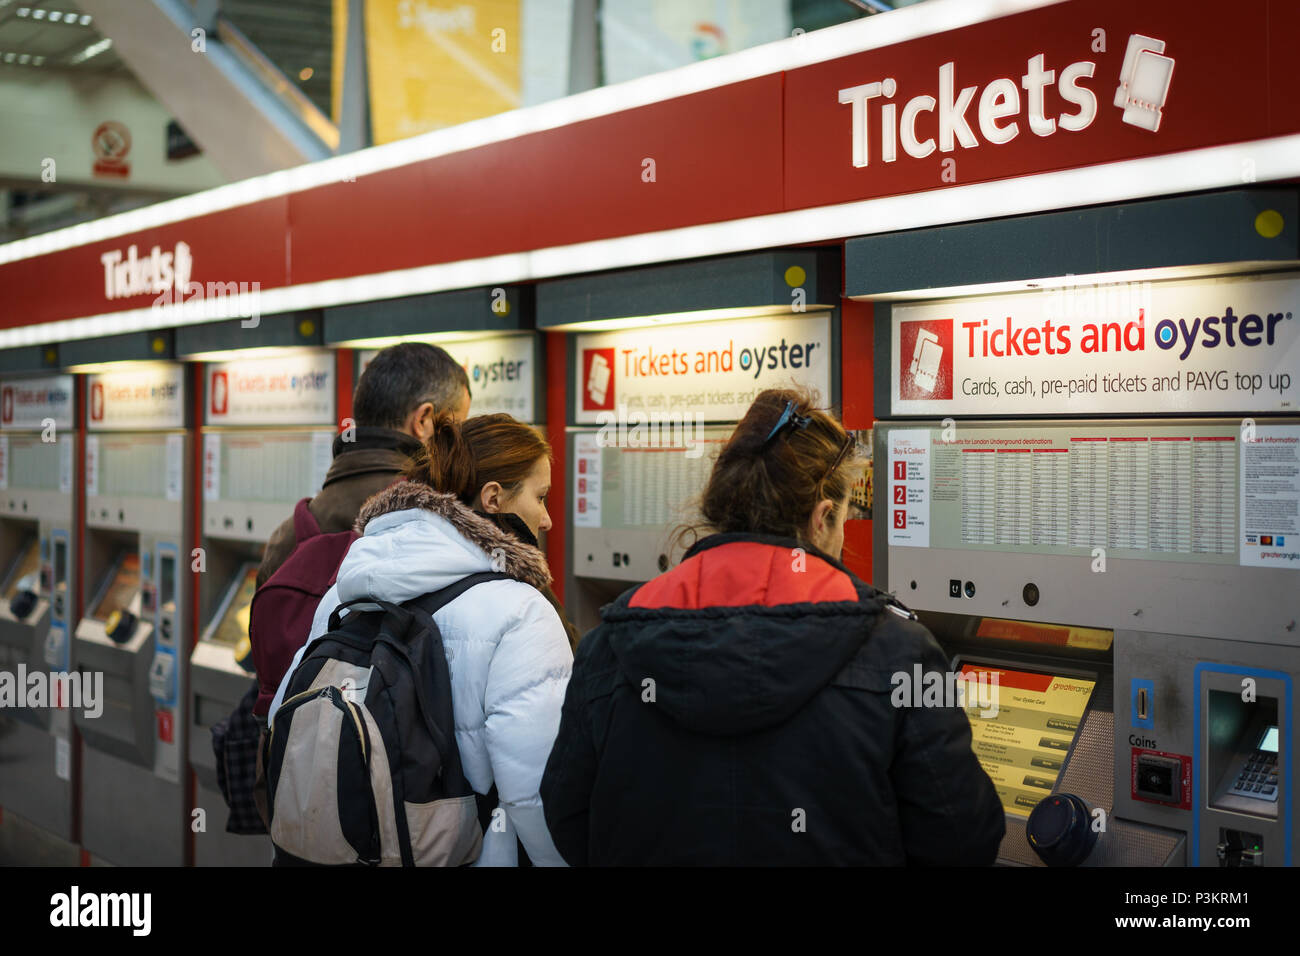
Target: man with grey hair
400,394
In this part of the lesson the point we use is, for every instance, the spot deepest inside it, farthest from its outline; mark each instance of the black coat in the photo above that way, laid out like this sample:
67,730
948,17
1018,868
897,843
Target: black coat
736,711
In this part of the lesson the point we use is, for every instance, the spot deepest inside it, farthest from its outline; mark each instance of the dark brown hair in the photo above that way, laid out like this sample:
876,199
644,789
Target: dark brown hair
461,459
773,488
403,377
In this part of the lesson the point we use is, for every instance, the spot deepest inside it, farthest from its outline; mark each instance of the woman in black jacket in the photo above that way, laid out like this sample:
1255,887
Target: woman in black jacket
737,709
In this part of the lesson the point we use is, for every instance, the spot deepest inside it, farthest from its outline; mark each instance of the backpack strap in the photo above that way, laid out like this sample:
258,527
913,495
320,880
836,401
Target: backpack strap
304,522
428,603
437,600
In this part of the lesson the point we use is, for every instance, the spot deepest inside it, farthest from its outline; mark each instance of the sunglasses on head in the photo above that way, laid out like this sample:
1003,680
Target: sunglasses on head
791,421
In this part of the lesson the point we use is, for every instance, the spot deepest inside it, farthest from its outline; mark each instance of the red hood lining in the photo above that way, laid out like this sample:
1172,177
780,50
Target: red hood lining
746,573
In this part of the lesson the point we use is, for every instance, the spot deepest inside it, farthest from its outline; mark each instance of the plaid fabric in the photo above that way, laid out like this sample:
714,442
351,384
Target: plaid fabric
234,741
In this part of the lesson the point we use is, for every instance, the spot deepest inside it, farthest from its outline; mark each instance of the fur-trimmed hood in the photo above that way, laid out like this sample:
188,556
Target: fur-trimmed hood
410,505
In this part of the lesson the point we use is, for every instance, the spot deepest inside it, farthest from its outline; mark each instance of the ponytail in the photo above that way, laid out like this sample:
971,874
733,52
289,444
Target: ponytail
444,462
461,459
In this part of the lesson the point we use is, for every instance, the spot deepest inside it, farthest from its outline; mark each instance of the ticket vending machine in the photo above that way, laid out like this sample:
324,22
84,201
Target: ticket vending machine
137,606
662,363
38,576
266,443
1110,527
1111,573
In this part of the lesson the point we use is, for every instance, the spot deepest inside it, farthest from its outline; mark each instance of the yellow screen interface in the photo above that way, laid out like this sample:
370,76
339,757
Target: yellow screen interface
28,562
120,593
234,623
1022,729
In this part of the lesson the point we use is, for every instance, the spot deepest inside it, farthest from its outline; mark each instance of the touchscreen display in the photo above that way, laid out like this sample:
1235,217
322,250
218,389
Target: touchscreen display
123,584
1023,724
28,563
234,622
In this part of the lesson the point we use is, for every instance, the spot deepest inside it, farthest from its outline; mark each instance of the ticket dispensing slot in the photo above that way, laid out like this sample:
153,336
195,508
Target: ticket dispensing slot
117,639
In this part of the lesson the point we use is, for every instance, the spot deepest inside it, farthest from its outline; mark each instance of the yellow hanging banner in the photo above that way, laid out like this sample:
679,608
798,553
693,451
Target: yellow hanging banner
437,63
338,59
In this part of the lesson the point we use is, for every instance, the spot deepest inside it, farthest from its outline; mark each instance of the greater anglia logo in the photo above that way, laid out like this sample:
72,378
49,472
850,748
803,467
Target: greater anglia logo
598,380
925,357
97,402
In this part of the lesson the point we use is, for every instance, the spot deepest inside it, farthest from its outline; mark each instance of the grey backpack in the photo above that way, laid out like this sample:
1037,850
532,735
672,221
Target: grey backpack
361,761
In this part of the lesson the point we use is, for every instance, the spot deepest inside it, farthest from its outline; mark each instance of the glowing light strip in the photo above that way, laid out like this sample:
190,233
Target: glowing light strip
909,23
1209,168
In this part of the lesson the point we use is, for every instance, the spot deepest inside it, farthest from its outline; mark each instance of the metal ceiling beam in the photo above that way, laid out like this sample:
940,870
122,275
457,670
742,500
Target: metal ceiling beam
243,126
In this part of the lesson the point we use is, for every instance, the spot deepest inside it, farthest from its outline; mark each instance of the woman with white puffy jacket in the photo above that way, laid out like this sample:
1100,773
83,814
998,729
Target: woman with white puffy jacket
468,507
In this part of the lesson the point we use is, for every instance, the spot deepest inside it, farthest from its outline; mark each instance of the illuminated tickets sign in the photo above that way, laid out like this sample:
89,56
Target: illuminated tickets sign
148,397
707,370
283,390
502,373
30,402
1208,345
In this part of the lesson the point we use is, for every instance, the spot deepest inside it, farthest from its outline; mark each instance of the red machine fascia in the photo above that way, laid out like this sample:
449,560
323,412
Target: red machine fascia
763,145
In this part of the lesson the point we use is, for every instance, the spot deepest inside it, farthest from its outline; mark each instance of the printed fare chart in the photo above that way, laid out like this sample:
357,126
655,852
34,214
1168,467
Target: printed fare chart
1137,493
1204,493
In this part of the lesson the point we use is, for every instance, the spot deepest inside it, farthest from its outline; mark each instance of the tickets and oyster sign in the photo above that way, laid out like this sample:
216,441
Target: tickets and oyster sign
297,390
1207,345
709,370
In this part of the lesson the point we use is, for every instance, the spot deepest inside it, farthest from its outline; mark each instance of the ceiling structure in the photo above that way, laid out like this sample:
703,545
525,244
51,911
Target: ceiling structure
293,37
54,35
